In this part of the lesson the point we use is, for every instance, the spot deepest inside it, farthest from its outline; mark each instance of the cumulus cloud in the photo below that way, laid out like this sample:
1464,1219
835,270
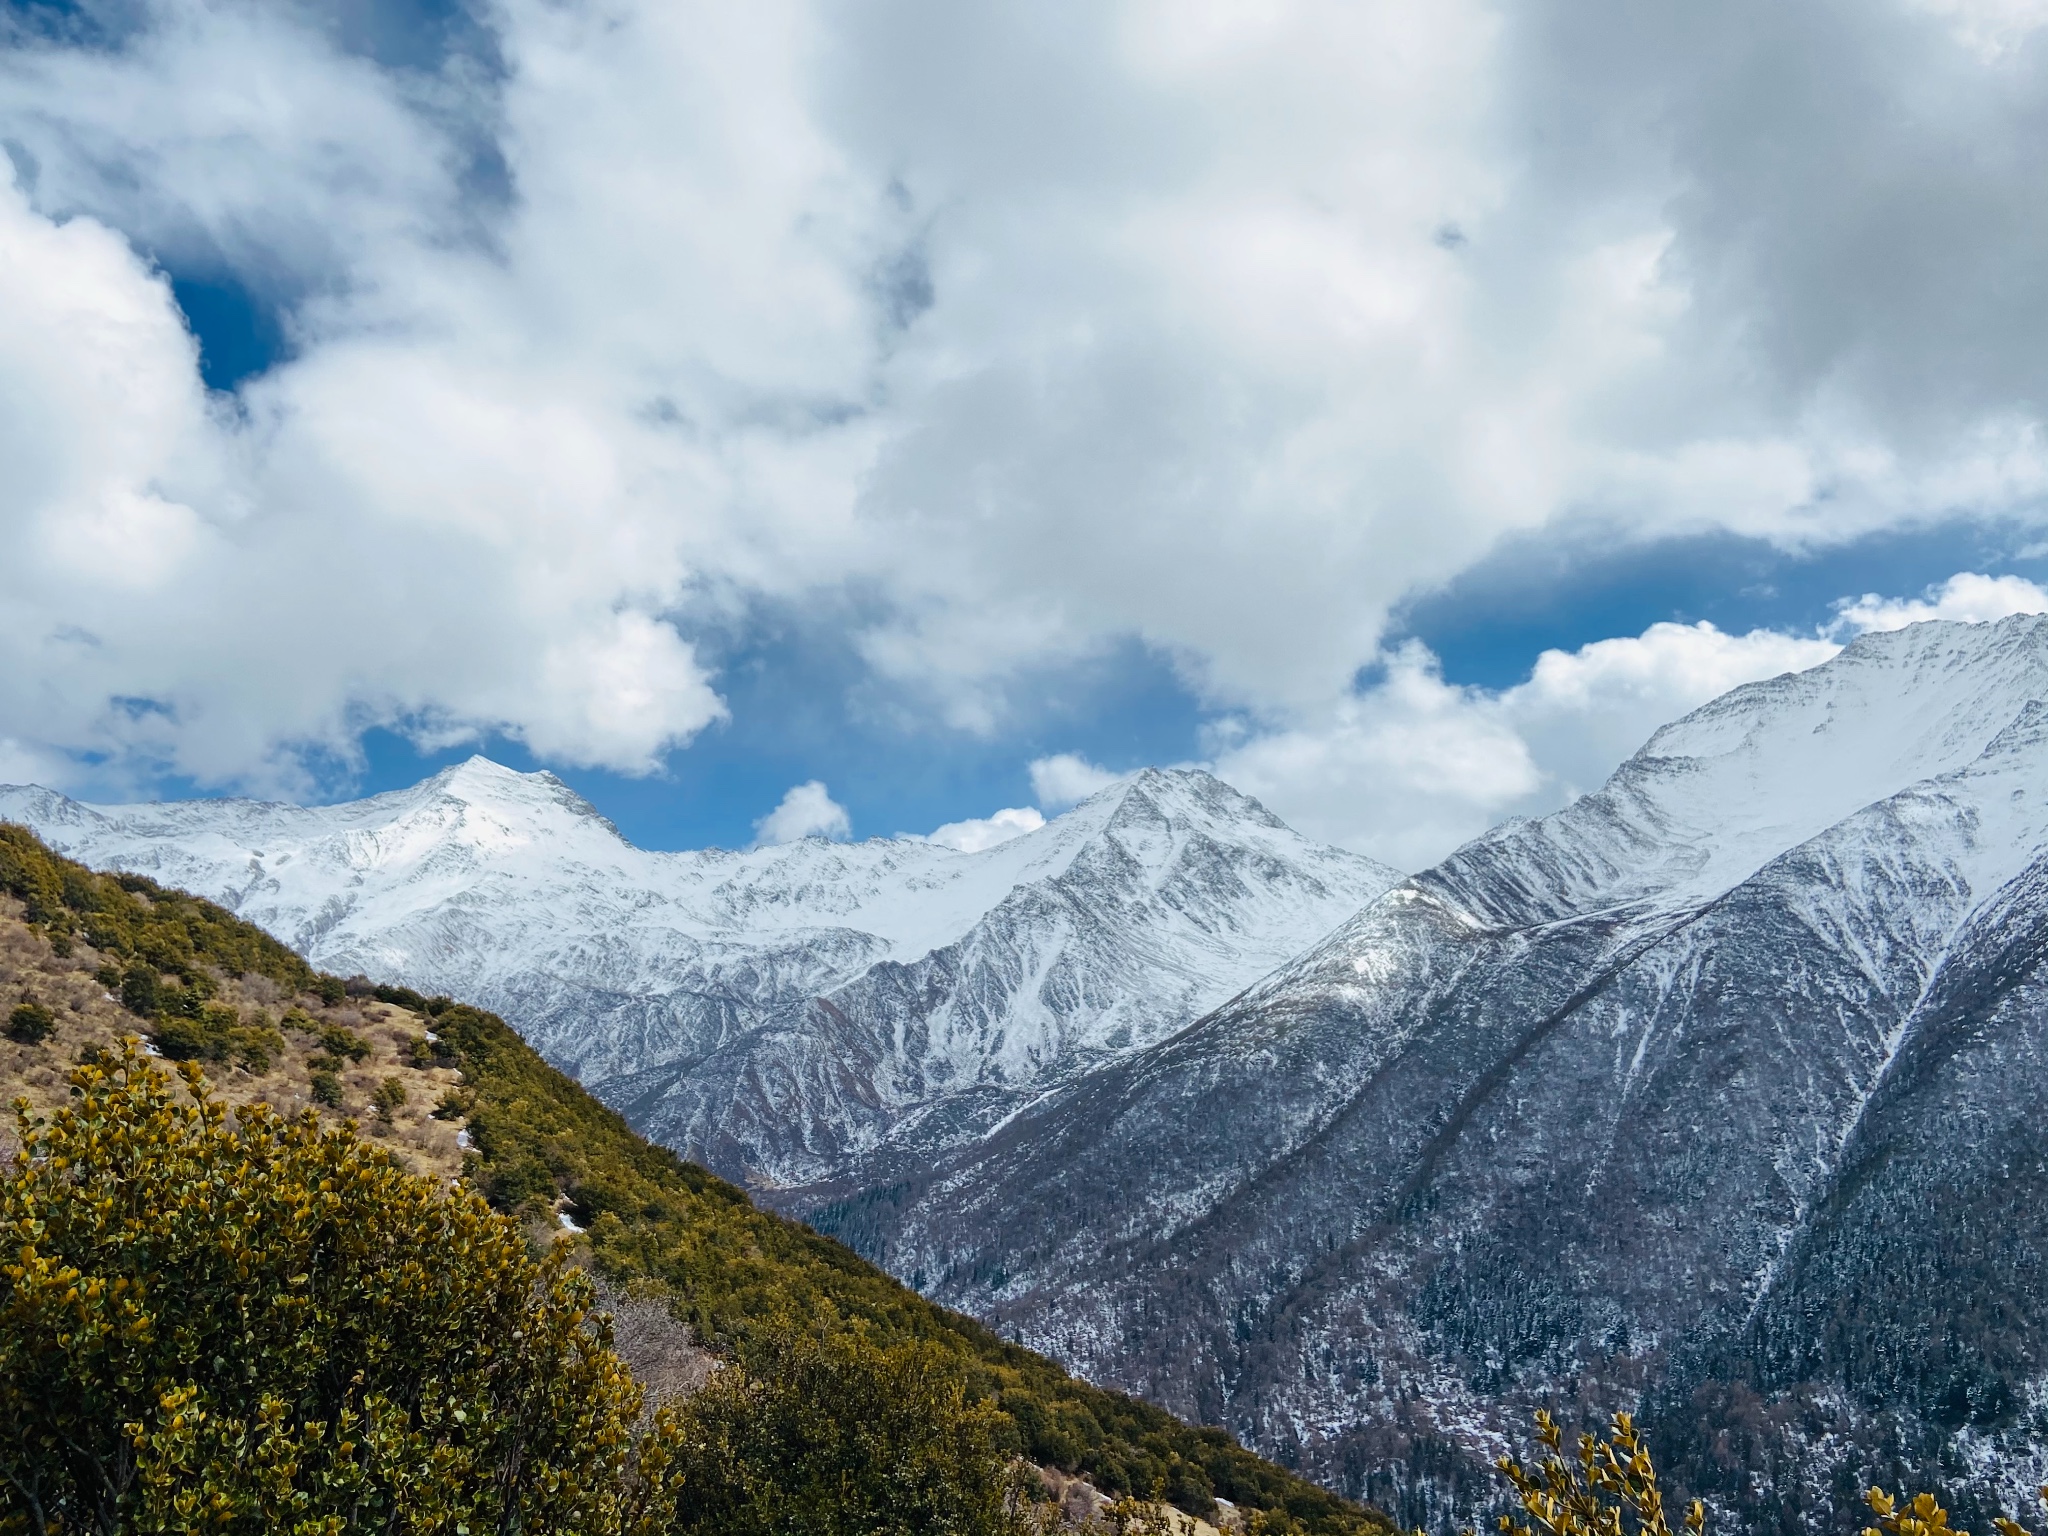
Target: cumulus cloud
1583,711
20,765
808,810
1067,779
974,835
1967,596
1413,766
631,317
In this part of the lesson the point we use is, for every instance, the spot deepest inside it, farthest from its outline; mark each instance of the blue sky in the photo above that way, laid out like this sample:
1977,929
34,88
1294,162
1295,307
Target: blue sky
702,401
1131,710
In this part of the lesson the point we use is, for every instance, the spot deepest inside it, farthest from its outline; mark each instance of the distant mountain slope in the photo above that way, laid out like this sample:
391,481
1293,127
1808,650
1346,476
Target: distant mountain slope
1717,1090
781,1013
268,1028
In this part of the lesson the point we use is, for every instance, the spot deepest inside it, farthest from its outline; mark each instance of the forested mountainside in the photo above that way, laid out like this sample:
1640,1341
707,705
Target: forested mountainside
86,957
785,1014
1716,1093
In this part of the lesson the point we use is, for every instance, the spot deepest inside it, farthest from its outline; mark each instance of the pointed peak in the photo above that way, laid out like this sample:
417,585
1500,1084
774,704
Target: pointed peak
1183,790
478,767
481,781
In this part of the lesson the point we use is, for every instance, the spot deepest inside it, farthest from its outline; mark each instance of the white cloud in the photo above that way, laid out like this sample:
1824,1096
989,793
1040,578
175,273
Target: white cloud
808,810
1583,711
20,765
1966,596
1285,314
1404,770
1992,28
974,835
1411,767
1066,779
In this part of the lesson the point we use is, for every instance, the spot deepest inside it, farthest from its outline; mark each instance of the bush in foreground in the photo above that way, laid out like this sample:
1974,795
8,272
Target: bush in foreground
815,1435
1609,1488
246,1324
239,1323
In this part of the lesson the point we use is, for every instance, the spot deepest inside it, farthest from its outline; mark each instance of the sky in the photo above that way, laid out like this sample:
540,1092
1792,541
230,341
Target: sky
807,418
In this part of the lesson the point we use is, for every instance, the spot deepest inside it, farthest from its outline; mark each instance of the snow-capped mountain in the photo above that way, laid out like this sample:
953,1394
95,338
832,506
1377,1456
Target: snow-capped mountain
1715,1094
781,1012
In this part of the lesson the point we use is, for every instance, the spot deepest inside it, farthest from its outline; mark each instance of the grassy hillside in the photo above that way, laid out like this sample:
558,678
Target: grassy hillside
84,957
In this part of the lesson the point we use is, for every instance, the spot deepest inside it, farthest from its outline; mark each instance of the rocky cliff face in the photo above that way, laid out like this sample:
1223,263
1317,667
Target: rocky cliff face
802,1012
1717,1091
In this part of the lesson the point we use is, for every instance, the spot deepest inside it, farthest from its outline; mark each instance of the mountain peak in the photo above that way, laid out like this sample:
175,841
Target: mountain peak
1185,791
1715,795
481,782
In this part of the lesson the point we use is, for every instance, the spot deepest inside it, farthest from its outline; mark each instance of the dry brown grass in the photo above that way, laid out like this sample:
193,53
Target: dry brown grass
87,1017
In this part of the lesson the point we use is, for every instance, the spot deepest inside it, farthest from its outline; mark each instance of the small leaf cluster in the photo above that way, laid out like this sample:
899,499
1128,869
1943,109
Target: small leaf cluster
1609,1488
1921,1515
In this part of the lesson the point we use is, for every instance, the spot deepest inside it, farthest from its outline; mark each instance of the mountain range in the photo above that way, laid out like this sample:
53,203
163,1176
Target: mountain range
1715,1094
784,1014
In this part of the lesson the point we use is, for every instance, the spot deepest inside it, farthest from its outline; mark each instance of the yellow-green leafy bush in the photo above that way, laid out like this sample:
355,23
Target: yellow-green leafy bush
813,1434
246,1324
1608,1487
158,931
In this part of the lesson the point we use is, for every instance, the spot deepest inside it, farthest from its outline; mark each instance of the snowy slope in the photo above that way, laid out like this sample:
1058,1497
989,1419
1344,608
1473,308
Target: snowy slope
783,1009
1715,1093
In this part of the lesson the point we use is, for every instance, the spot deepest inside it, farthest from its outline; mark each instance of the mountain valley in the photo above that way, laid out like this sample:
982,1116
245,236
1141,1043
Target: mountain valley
1713,1094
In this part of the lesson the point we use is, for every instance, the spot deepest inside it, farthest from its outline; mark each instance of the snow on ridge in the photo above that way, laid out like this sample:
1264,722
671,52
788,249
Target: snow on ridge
1936,712
946,971
1716,795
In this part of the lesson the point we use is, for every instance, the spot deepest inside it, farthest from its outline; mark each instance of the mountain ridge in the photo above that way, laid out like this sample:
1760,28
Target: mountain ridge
723,993
1559,1117
1685,1098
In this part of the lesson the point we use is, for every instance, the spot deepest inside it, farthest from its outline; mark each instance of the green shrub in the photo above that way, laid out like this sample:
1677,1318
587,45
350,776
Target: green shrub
813,1434
247,1325
424,1053
216,1033
335,1039
142,990
389,1098
399,997
326,1089
183,1040
30,1023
